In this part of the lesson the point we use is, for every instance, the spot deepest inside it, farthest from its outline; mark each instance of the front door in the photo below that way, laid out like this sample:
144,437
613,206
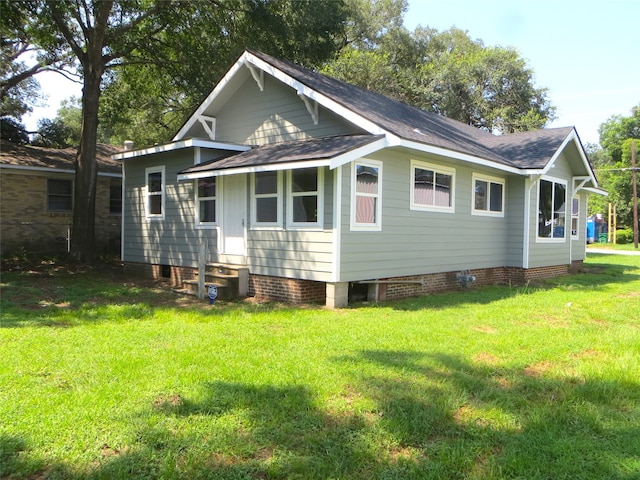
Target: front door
234,213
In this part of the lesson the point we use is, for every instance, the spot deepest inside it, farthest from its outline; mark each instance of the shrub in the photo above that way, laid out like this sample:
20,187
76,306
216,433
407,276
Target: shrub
624,236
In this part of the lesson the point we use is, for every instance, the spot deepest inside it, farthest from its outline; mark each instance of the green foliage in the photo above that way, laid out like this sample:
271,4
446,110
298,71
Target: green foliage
104,379
624,236
13,131
448,73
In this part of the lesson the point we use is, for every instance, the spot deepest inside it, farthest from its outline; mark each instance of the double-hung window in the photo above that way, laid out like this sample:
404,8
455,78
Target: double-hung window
552,199
304,197
575,217
206,201
366,195
432,187
59,195
155,184
488,196
266,192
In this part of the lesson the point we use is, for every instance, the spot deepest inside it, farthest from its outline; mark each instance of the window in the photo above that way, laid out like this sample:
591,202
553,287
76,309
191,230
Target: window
366,198
305,199
432,187
266,189
155,192
59,195
552,196
488,196
206,201
115,197
575,216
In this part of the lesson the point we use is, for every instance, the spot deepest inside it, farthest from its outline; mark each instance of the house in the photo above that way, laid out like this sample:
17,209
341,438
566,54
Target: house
36,198
318,190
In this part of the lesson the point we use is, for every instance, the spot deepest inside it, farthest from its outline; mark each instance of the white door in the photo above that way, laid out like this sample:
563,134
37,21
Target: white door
234,213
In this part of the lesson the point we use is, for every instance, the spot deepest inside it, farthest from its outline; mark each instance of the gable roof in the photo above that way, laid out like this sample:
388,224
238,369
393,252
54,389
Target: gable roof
29,157
520,153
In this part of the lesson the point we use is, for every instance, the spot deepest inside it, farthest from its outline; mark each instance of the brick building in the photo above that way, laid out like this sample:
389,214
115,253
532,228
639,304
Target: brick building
36,199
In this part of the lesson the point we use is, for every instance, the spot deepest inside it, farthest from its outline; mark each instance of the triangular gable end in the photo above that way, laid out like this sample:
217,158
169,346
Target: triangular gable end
590,177
252,62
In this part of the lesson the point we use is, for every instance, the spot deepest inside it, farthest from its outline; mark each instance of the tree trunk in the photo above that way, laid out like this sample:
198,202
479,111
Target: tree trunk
83,238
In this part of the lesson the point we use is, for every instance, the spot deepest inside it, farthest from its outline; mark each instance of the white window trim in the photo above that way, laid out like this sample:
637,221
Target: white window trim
162,193
577,235
563,239
255,225
488,179
436,169
319,192
207,225
366,227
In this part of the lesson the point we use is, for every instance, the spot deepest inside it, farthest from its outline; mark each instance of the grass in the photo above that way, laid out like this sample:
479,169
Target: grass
613,246
104,378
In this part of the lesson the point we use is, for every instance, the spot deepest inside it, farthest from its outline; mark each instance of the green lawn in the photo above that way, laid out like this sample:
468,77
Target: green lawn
101,377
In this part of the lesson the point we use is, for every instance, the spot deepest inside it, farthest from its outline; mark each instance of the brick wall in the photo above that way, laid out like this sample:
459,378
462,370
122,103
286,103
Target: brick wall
266,288
439,282
27,225
173,275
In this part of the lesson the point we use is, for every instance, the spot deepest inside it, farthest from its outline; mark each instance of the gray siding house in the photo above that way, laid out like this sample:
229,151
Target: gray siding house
320,191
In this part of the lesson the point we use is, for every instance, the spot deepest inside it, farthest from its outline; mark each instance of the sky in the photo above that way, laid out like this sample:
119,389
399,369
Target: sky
585,52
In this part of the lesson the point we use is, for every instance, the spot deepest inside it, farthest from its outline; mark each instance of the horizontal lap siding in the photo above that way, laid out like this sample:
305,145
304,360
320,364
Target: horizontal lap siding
578,245
414,242
274,115
174,240
305,255
514,214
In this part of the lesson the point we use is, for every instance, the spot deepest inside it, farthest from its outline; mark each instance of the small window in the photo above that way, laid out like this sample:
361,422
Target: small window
305,199
267,188
366,198
488,196
59,195
155,192
552,197
115,198
206,201
575,217
432,187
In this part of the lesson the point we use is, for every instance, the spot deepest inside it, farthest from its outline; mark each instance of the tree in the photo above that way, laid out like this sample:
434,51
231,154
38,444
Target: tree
613,166
450,74
101,35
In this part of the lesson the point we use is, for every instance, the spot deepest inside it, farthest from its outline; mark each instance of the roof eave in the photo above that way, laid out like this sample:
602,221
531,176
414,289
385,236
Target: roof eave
188,143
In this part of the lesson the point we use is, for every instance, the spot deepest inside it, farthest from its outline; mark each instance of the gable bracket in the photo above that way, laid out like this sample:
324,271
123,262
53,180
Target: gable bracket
209,125
578,186
312,108
258,76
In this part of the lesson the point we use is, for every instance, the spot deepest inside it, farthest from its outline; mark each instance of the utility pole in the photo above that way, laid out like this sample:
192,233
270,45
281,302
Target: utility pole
635,194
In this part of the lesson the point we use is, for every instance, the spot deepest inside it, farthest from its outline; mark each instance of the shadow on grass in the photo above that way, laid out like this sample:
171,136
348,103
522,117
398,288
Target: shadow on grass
404,415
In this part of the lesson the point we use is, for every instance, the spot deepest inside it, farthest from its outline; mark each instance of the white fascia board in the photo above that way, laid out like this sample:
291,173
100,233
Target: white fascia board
572,137
55,170
168,147
254,169
323,100
597,191
359,152
214,93
421,147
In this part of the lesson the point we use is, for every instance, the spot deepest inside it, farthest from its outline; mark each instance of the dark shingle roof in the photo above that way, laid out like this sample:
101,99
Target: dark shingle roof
56,158
520,150
292,151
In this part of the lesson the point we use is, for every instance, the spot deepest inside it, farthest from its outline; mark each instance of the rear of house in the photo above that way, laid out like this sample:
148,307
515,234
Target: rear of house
315,190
